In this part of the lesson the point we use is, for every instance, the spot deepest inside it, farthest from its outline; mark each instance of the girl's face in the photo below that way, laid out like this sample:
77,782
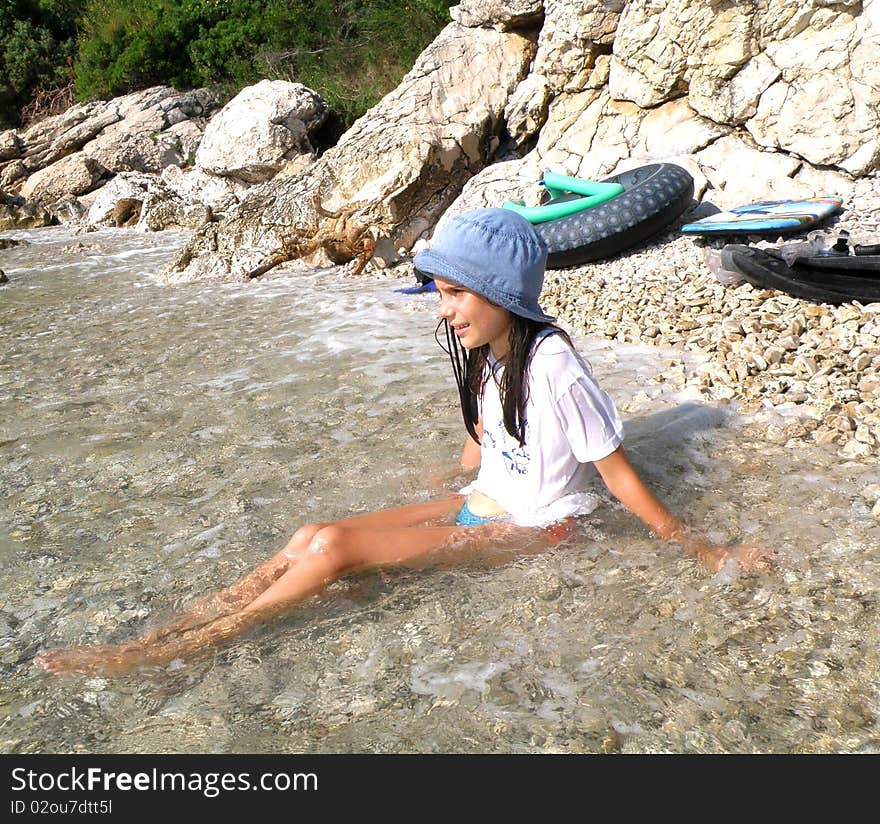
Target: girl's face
474,319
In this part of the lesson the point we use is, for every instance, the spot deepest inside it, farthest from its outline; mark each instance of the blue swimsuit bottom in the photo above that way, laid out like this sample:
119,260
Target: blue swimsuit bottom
467,518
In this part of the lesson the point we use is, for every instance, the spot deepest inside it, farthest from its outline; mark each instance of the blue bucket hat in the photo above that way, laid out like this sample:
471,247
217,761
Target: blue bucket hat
493,252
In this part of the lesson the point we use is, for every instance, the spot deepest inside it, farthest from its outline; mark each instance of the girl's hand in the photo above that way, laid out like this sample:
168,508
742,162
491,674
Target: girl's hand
750,557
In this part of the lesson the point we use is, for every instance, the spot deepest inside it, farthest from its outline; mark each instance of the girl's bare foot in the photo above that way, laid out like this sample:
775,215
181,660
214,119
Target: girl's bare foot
97,660
147,652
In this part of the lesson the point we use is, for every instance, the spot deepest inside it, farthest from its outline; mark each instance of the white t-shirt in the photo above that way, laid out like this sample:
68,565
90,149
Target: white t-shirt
570,422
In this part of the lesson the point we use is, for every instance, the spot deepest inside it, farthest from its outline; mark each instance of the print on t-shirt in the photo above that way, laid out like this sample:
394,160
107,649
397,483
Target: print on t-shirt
516,457
517,460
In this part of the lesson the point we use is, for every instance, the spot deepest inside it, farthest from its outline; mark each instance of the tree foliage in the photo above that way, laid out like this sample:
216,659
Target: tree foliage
351,51
37,41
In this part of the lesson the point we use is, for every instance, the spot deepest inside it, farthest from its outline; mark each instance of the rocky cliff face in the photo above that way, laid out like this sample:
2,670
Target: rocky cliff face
54,163
757,98
392,174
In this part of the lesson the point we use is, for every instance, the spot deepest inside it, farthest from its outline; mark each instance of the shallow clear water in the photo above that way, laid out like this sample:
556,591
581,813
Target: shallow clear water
156,442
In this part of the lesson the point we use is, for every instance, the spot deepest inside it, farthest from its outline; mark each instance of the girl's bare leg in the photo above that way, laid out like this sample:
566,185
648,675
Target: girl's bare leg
335,549
237,596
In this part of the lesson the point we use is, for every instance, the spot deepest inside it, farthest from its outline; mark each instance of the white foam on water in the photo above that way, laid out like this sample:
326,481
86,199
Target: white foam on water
263,443
454,682
207,534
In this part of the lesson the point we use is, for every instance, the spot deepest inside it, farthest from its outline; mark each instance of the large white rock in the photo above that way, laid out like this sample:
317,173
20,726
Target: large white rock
70,129
572,39
569,58
826,105
144,131
186,136
825,182
155,129
661,46
588,134
526,111
648,66
395,170
499,14
675,128
802,77
12,173
67,210
72,175
10,145
744,174
136,143
733,101
159,211
508,180
198,186
261,128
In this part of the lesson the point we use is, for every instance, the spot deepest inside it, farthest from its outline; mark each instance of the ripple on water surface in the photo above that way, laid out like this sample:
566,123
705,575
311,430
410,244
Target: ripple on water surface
159,441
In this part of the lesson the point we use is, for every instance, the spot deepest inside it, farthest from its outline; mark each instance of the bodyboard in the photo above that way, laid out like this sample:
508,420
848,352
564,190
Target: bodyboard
767,216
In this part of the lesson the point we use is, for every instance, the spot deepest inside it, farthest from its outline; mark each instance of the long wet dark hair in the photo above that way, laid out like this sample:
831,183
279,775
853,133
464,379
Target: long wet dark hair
471,373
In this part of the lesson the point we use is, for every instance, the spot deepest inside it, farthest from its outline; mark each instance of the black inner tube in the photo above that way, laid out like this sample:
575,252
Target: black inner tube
654,196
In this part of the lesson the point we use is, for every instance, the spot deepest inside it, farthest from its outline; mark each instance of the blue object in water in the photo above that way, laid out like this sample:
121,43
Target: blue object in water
430,286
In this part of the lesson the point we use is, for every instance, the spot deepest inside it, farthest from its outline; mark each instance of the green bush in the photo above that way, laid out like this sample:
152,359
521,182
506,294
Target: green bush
37,39
375,45
351,51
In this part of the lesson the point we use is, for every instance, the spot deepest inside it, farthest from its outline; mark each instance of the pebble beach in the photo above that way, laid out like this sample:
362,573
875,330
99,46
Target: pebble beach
803,371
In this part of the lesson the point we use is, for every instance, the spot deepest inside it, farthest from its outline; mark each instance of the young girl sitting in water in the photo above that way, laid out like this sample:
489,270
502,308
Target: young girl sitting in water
536,420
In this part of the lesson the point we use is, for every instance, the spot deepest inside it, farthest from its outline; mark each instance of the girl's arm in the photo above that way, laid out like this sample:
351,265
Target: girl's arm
625,484
470,455
470,460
